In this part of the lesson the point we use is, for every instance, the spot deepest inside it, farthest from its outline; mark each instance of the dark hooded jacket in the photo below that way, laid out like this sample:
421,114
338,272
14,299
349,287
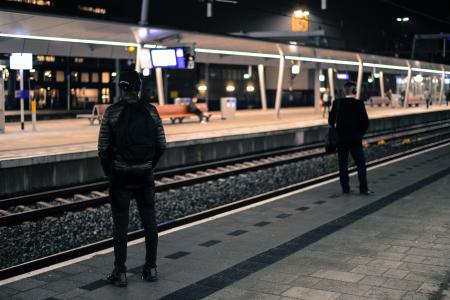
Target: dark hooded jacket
112,162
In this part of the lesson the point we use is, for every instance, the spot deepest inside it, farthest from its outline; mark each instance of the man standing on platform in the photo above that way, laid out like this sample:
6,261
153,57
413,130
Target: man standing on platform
131,142
350,118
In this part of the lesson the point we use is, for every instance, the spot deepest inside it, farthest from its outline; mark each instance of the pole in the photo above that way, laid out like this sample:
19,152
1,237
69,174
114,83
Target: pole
160,85
138,60
408,83
360,76
279,92
2,103
33,113
68,88
22,112
207,84
317,88
144,13
262,87
382,84
116,81
441,92
331,83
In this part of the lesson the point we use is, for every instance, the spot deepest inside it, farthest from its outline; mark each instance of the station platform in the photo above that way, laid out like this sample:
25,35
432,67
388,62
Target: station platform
313,243
37,161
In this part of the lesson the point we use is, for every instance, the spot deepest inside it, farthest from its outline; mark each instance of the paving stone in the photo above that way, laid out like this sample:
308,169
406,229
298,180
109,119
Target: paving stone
70,294
35,294
428,288
7,292
406,285
51,276
395,273
74,268
436,261
390,255
62,285
360,260
398,249
384,263
279,277
422,268
414,258
428,252
310,294
235,294
373,280
342,287
425,277
384,293
338,275
352,297
369,270
26,284
415,296
262,286
305,281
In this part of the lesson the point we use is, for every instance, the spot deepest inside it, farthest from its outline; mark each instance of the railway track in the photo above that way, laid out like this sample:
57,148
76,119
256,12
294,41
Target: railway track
32,207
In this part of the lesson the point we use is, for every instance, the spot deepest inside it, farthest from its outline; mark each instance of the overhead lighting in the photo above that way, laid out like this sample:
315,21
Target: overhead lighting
202,87
113,74
376,75
146,72
230,88
295,69
239,53
427,70
68,40
293,43
399,19
250,88
447,81
300,13
323,60
247,76
321,77
405,19
370,80
418,78
382,66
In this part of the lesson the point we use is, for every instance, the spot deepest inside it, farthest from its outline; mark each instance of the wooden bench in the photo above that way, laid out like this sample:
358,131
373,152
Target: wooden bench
97,113
179,112
378,100
414,100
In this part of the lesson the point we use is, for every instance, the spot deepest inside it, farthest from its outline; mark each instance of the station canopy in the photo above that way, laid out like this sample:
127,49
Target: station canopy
58,36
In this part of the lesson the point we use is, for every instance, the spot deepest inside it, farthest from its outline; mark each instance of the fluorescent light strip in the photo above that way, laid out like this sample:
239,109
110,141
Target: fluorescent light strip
382,66
238,53
68,40
427,70
323,60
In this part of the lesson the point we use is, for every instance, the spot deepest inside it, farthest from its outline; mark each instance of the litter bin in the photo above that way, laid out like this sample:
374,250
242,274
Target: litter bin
228,107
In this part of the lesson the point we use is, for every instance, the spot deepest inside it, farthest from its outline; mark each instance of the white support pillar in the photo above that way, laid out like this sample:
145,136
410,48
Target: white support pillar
441,91
160,85
262,87
317,88
2,102
279,83
408,83
22,100
138,60
360,77
382,84
331,83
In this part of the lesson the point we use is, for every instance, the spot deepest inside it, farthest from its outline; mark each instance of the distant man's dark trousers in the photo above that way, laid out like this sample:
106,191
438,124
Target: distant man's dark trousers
357,154
120,203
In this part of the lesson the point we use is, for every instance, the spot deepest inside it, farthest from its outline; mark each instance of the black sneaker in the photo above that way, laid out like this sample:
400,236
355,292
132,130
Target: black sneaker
118,278
367,193
150,273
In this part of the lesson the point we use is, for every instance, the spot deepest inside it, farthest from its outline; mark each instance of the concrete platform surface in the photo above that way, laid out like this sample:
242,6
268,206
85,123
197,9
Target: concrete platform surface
72,136
312,244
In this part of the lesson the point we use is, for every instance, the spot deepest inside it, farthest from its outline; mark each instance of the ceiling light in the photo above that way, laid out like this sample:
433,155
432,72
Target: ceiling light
321,77
405,19
399,19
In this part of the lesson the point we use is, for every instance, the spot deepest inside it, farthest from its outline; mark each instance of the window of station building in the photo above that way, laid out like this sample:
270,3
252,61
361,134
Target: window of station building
85,77
48,76
79,60
74,77
95,77
33,2
60,76
105,77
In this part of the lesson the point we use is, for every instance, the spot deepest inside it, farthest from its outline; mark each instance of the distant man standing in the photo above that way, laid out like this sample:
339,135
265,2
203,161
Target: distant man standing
350,118
427,96
130,144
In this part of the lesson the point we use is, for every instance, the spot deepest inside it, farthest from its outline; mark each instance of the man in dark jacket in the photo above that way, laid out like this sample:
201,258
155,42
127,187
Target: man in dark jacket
350,118
130,179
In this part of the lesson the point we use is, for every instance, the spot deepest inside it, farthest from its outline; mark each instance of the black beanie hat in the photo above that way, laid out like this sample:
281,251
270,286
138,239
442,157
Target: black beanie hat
129,80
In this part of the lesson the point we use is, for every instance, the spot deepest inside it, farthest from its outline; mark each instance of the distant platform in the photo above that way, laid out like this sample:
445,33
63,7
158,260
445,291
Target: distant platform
314,243
61,145
14,115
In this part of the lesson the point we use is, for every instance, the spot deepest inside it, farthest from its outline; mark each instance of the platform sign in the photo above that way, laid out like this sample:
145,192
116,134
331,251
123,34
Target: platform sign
299,24
21,61
24,94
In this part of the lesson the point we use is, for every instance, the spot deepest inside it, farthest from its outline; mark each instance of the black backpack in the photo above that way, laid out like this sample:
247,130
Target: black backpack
135,133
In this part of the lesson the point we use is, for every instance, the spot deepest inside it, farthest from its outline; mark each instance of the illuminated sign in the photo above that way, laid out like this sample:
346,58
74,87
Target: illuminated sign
343,76
176,58
21,61
299,24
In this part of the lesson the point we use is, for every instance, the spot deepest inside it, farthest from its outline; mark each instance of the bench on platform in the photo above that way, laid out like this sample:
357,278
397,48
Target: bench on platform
179,112
97,113
378,100
414,100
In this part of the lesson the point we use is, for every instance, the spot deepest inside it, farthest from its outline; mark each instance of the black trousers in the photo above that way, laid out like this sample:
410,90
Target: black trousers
120,203
357,154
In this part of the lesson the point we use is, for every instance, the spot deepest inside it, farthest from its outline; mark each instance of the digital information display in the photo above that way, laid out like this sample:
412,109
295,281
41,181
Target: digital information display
169,58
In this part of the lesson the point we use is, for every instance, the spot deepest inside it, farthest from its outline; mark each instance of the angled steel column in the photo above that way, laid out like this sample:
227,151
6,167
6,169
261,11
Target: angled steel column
382,84
144,12
2,102
160,85
360,77
317,87
331,83
279,83
408,83
441,92
262,86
